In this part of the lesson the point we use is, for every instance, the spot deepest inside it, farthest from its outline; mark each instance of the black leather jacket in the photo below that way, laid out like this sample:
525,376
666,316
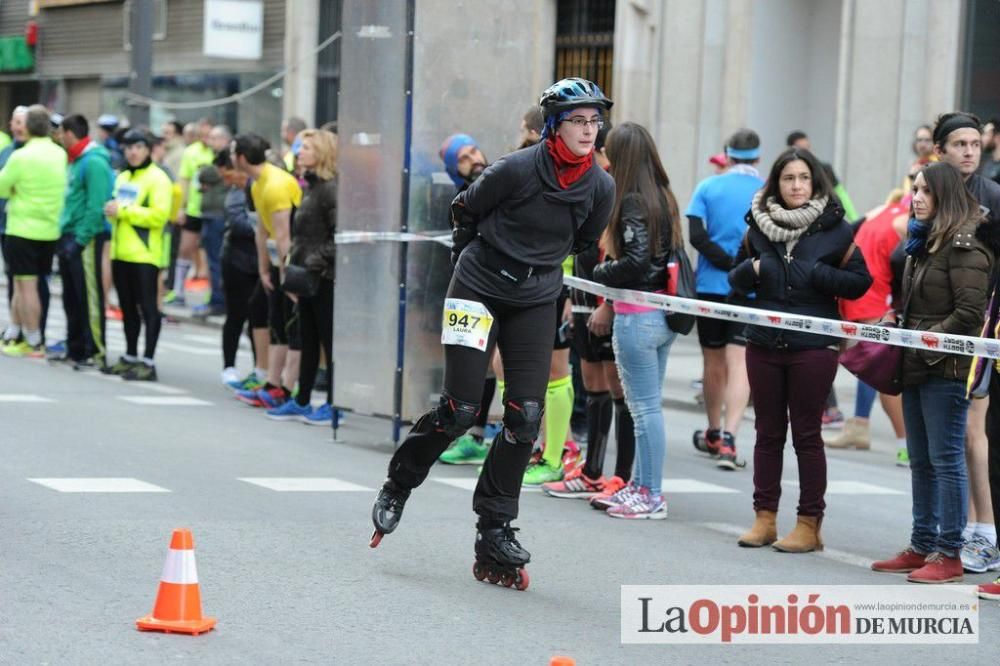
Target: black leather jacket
637,268
313,245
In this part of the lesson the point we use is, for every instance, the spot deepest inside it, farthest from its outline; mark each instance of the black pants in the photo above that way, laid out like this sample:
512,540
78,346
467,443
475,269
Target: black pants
316,327
238,288
136,287
83,301
993,435
525,336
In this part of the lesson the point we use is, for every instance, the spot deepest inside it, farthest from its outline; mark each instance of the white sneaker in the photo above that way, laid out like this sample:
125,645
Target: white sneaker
230,375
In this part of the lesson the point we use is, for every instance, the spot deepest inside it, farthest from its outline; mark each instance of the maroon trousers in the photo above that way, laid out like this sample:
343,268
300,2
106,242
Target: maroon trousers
790,386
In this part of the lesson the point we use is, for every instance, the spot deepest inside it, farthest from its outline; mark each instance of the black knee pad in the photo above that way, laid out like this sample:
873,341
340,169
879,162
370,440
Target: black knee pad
455,417
522,420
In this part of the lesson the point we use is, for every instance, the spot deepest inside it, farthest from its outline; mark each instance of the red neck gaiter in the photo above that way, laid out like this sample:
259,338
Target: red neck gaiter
570,167
78,148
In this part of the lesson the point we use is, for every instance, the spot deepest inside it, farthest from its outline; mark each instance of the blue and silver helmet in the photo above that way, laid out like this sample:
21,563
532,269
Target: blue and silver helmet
572,93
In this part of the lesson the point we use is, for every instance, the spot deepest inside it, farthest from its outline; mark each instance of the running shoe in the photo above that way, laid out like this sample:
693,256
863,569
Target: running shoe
536,475
833,419
272,398
249,383
24,350
230,377
140,372
95,362
113,312
980,556
990,590
641,505
289,411
321,416
56,349
902,458
575,485
466,450
727,454
119,368
206,310
572,456
614,493
172,298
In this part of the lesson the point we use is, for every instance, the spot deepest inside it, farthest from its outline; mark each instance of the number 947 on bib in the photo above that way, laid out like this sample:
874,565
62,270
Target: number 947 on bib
466,323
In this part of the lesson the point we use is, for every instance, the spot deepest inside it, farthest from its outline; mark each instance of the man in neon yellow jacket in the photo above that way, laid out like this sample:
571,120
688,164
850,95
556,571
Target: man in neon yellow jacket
138,212
33,181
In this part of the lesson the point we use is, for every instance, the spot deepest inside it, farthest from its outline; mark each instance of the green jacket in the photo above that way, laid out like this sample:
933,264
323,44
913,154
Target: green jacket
34,182
144,196
90,185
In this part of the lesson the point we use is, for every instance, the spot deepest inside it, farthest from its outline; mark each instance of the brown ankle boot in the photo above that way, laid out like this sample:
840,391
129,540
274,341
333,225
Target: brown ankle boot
764,531
856,435
804,538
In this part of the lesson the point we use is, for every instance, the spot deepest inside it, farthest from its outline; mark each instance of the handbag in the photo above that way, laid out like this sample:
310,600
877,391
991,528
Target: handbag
300,281
681,283
877,364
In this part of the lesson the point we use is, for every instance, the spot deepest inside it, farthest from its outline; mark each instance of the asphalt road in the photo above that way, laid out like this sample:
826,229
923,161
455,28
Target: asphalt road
290,576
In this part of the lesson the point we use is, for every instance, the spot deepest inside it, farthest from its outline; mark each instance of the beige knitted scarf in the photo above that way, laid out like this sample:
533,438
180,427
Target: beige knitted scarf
782,225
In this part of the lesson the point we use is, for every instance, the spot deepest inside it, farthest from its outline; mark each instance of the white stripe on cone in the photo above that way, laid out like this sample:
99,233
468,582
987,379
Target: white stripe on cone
180,568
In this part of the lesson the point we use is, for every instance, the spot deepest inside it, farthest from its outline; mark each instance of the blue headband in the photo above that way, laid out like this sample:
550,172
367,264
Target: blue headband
743,154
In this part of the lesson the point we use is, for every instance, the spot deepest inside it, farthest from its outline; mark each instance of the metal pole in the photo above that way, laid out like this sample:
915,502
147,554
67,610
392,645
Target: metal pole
141,75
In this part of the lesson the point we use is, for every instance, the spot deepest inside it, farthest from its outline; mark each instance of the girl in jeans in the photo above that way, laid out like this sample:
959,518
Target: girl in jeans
799,259
644,228
945,289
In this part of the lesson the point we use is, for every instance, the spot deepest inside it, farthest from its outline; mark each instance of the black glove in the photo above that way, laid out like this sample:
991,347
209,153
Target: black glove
463,228
67,247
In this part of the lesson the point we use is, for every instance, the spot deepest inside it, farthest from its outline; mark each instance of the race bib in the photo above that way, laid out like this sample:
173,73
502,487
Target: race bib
127,194
466,323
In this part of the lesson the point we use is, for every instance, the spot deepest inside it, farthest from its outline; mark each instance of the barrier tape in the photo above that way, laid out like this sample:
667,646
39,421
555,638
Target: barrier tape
937,342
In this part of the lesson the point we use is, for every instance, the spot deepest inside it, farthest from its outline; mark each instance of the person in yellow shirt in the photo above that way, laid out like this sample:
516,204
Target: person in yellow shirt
138,212
276,195
195,156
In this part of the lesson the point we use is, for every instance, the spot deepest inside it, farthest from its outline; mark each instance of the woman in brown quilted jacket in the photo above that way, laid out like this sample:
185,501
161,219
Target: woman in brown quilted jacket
945,288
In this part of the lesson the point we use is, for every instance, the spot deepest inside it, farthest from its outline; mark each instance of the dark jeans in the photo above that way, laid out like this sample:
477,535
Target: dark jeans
136,287
212,229
524,335
935,414
83,301
239,288
316,326
993,434
790,386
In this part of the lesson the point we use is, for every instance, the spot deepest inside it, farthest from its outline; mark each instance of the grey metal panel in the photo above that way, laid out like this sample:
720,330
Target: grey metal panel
371,126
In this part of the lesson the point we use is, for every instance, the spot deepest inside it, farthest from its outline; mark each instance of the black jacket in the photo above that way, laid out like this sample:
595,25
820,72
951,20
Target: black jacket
526,221
807,283
313,245
239,250
637,268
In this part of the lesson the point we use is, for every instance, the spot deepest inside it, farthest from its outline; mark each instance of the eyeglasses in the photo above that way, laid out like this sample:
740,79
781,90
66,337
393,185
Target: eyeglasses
580,122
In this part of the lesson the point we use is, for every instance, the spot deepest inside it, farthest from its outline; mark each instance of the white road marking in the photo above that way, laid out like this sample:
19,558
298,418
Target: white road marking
165,401
470,484
676,486
156,387
99,485
190,349
827,553
306,484
852,488
23,397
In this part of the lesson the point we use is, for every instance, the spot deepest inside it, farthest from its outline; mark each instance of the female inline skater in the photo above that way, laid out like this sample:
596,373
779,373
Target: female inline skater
513,227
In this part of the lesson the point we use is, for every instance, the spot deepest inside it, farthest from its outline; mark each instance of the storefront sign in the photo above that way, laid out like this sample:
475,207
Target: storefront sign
234,29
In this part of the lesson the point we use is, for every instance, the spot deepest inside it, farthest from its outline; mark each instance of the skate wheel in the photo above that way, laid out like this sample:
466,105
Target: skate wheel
376,539
492,575
507,579
478,571
522,580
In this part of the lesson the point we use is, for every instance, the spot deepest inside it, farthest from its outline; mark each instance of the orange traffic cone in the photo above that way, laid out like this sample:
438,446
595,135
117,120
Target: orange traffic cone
178,601
560,660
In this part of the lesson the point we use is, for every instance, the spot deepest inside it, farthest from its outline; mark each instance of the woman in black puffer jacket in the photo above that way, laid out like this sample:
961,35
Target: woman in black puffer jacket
801,259
314,248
